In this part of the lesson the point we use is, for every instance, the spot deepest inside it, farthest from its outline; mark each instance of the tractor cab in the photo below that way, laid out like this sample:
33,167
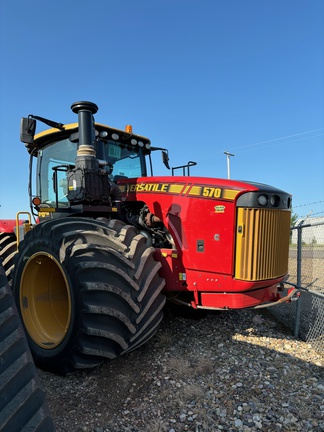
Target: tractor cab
79,164
117,158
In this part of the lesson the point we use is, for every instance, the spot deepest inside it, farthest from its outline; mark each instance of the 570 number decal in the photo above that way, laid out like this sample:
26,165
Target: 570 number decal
212,192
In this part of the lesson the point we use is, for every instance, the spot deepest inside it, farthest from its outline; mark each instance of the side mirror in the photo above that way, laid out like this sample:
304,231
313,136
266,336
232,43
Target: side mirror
27,130
165,158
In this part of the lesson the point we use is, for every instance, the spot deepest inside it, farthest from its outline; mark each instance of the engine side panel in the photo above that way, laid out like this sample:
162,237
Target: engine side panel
201,215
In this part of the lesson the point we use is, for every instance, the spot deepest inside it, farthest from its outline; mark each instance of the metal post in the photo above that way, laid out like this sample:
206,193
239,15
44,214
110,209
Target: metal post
228,155
299,260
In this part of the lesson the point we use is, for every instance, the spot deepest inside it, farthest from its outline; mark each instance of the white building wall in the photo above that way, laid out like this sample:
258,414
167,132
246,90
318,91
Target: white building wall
313,234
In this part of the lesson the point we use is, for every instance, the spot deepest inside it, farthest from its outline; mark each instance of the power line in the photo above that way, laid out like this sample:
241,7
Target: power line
313,214
304,205
278,139
285,137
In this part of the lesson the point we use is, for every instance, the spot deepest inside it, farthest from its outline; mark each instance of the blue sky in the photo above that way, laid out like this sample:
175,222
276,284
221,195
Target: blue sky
198,77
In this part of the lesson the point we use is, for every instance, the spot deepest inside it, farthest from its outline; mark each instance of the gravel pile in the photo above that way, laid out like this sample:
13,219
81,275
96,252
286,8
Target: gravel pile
232,371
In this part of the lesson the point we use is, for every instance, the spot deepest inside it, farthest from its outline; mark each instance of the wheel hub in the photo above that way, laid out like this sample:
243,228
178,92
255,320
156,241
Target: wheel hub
45,300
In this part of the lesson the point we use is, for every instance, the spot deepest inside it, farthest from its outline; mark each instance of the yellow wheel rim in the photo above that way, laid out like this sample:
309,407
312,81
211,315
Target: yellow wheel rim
45,300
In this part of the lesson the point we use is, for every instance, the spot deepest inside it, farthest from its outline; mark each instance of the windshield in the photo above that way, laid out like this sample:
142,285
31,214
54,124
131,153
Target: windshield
54,161
127,161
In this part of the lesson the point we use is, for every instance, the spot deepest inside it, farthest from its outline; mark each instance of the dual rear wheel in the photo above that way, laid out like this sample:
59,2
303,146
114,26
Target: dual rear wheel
8,250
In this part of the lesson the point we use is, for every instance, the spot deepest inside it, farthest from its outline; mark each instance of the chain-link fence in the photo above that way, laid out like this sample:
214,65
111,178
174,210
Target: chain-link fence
305,317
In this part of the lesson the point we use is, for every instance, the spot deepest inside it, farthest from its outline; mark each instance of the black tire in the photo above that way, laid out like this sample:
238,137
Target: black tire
22,402
87,291
8,250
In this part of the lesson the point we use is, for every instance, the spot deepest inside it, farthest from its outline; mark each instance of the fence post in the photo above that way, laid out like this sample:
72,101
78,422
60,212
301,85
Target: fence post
299,260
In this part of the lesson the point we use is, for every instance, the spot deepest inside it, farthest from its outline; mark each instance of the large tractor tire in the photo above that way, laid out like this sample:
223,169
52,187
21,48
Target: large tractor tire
22,402
87,291
8,250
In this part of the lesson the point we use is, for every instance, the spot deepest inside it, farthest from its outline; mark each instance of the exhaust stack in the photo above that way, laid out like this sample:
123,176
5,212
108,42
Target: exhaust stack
85,111
87,182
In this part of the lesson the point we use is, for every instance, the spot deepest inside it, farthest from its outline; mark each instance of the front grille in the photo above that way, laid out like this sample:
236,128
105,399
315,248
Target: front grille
262,243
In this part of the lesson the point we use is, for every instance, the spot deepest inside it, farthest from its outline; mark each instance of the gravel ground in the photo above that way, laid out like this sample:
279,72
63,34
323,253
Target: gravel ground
231,371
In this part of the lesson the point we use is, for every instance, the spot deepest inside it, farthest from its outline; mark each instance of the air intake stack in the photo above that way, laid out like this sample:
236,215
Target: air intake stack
85,111
87,182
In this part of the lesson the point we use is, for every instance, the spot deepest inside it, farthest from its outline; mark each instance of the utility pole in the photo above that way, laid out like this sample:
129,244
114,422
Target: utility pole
228,155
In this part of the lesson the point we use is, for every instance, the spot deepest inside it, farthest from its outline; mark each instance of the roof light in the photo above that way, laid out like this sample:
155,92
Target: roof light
129,129
148,146
115,136
133,141
140,144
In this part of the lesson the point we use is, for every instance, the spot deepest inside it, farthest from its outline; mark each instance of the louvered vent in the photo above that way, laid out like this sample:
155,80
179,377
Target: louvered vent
262,243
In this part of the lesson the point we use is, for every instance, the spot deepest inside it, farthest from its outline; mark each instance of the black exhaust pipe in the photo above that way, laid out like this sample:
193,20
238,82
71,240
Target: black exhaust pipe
87,182
85,111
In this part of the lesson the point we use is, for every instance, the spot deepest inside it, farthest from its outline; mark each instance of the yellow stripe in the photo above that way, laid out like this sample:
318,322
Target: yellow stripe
229,194
175,188
181,189
195,190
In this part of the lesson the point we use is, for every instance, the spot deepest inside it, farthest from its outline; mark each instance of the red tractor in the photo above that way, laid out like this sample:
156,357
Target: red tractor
110,243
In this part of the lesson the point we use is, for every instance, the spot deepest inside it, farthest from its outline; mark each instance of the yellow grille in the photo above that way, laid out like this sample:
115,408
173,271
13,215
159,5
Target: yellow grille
262,243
